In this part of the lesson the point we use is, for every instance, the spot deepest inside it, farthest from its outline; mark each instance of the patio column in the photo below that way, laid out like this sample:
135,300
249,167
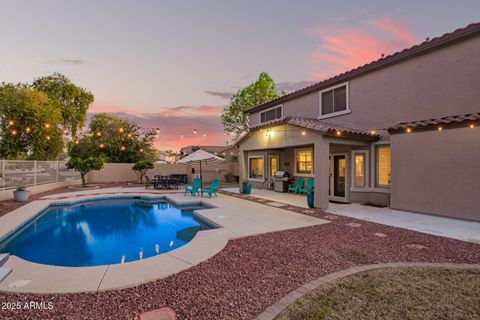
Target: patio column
242,167
320,169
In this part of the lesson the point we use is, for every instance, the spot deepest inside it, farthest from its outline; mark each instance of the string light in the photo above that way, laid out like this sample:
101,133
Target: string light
339,133
47,125
141,150
373,132
122,148
129,135
65,131
204,134
99,134
14,132
48,138
194,131
27,129
120,130
101,146
11,123
304,133
77,142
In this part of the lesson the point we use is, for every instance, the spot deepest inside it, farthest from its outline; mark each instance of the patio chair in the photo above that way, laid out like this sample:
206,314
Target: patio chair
308,187
212,189
148,182
295,188
193,189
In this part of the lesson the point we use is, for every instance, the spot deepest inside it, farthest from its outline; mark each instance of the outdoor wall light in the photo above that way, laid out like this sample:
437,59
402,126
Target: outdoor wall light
304,133
472,126
439,128
408,130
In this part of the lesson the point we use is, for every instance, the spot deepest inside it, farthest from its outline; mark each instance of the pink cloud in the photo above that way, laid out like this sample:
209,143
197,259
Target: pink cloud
99,107
177,124
342,49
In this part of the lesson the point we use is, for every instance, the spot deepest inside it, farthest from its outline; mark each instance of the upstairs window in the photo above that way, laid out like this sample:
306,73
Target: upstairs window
271,114
334,101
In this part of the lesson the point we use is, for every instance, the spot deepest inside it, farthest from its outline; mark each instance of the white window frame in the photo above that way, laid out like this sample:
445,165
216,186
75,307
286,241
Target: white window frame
373,168
263,111
248,167
295,162
270,156
367,170
338,113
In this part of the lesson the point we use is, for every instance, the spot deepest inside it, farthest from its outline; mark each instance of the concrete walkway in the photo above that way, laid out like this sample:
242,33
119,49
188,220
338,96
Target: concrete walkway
440,226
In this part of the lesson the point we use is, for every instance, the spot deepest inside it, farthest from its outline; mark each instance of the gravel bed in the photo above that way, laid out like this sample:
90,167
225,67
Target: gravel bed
252,273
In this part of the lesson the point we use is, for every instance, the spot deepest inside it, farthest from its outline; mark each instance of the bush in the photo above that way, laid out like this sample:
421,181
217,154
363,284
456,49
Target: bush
142,167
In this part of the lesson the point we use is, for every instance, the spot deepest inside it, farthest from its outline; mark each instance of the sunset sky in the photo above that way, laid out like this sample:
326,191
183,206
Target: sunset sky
175,64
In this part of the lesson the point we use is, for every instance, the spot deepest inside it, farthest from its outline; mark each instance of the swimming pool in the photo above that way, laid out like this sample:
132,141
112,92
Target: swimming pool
102,232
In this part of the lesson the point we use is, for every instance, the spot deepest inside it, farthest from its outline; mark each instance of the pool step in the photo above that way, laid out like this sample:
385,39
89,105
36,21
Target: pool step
3,258
4,271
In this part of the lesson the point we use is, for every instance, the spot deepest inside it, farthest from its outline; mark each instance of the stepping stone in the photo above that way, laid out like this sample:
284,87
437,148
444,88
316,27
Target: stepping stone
330,217
354,225
308,211
379,234
4,272
159,314
277,204
416,246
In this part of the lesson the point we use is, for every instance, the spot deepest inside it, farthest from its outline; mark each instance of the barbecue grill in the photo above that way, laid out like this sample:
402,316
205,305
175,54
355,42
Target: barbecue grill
280,181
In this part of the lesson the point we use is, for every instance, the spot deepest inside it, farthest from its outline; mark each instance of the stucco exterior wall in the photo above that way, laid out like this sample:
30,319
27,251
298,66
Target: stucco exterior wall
437,172
440,83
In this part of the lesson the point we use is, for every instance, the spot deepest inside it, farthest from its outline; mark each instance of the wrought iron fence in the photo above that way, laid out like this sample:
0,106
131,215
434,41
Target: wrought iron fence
15,173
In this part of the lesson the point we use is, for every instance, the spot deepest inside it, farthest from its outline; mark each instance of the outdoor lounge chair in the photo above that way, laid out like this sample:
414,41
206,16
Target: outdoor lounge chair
308,187
194,188
295,188
212,189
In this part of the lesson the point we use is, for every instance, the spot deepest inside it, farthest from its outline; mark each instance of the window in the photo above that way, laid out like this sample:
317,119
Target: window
304,161
255,168
271,114
334,101
382,166
274,165
359,173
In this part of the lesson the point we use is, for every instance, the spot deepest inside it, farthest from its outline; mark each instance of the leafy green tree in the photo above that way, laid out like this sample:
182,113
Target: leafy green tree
85,165
234,118
30,125
142,167
117,140
72,100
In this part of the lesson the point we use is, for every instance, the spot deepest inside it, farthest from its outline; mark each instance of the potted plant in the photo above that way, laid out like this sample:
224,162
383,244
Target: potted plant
21,194
228,176
247,188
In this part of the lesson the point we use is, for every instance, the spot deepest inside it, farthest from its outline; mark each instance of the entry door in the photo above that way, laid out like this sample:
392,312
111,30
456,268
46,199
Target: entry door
338,177
273,164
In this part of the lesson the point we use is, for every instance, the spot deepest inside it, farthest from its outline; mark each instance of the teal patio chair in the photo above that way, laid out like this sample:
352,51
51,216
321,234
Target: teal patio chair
295,188
212,189
309,186
194,188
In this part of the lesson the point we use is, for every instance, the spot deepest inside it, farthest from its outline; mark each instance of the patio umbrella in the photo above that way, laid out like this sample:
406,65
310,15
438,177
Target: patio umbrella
198,158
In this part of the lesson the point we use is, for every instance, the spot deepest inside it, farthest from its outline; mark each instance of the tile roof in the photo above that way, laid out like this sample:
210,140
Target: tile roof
437,121
312,124
428,45
209,149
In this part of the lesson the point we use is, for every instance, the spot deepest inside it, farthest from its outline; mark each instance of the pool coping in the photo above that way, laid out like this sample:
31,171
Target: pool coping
205,244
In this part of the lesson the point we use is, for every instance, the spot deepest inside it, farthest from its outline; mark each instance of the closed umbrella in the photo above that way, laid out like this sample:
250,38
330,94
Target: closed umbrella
199,158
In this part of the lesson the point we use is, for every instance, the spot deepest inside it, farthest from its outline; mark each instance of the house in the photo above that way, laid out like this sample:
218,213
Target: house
402,131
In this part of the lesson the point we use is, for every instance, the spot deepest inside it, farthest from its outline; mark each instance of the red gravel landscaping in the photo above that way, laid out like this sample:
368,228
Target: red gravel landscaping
250,274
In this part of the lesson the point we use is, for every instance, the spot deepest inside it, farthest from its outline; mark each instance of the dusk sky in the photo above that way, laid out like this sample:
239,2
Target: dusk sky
174,64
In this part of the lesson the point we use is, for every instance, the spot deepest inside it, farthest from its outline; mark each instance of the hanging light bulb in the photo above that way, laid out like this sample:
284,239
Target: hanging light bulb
47,125
121,130
99,134
48,138
14,132
11,123
194,131
27,129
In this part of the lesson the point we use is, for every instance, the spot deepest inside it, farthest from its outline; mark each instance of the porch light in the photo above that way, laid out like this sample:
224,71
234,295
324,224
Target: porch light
439,128
339,133
408,130
304,133
472,126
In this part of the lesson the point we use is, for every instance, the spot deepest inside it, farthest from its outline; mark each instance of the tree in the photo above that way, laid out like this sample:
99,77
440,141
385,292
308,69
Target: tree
29,124
117,140
142,166
234,118
85,165
72,100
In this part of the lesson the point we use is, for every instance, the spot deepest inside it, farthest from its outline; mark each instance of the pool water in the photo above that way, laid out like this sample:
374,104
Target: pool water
104,232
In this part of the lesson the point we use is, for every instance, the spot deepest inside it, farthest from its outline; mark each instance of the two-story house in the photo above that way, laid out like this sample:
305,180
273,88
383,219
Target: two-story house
402,131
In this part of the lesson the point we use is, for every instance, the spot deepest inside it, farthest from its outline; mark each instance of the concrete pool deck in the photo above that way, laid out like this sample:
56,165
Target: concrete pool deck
235,217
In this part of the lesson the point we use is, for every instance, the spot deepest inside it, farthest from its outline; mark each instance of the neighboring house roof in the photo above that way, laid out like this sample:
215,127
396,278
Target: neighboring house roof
313,124
209,149
426,46
438,121
225,148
